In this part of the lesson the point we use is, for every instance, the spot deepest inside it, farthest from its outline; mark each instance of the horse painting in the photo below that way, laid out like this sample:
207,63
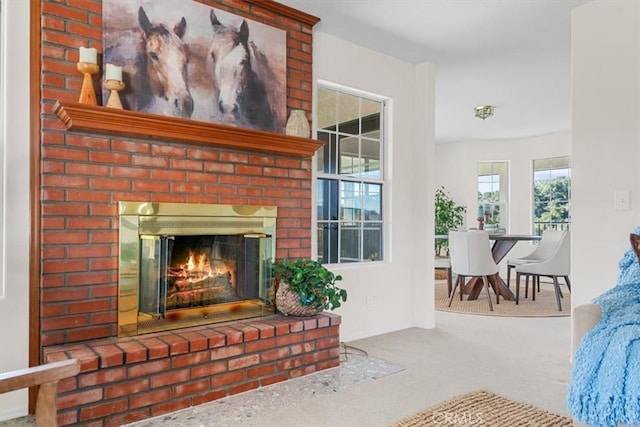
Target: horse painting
247,92
183,59
161,78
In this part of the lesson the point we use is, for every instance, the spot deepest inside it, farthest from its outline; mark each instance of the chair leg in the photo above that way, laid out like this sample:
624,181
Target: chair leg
560,290
486,286
526,286
454,279
453,291
495,279
566,279
509,267
556,285
517,288
534,278
461,278
449,282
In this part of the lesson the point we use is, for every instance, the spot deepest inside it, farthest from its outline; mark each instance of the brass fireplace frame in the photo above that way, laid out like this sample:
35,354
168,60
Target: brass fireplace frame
158,218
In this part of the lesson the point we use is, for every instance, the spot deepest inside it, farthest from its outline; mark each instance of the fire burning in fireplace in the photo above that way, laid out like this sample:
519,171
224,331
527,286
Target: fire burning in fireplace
192,271
184,264
194,280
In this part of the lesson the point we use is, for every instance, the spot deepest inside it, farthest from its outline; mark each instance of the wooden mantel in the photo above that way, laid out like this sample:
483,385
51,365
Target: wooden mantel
135,124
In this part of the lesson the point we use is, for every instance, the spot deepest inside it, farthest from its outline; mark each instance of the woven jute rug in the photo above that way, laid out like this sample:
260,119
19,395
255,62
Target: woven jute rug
484,408
544,305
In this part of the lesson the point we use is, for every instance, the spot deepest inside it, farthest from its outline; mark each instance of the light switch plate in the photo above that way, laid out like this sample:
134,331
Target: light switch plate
622,200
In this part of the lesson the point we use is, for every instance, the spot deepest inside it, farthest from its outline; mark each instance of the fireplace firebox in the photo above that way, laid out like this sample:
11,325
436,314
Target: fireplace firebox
183,264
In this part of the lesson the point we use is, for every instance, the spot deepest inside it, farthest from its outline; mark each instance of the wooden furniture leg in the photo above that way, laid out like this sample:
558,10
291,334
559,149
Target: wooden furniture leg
566,280
474,287
635,244
556,286
459,282
46,377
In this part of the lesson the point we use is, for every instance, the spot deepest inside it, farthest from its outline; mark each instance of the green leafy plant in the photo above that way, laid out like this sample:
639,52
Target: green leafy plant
312,282
448,215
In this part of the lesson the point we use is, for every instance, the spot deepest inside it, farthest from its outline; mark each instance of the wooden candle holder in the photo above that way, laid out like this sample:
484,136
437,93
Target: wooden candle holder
88,93
114,86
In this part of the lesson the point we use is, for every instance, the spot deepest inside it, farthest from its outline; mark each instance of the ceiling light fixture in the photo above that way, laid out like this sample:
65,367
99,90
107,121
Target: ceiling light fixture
484,111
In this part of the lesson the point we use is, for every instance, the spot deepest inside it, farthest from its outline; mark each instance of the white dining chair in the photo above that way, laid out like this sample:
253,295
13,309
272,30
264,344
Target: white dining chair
548,243
558,264
470,254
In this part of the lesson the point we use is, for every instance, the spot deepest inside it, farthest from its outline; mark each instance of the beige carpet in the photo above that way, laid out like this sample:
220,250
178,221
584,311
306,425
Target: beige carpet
484,408
544,305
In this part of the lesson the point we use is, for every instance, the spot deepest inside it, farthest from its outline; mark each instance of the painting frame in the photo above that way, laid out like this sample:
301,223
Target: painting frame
194,61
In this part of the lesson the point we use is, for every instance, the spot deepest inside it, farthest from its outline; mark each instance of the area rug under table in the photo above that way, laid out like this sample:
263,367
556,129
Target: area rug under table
484,408
544,305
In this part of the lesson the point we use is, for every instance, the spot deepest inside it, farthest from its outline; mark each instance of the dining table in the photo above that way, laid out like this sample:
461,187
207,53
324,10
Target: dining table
502,244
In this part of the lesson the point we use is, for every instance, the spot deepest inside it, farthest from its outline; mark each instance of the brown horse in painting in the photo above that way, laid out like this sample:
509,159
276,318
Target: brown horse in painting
161,78
242,75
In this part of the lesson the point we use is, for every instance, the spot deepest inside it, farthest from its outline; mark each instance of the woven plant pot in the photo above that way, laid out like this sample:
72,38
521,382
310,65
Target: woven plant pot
288,302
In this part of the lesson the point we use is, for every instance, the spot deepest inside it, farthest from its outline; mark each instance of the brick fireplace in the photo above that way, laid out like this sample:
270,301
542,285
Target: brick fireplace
92,158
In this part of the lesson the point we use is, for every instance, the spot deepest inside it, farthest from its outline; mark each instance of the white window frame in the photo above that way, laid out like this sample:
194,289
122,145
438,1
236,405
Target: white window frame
554,163
503,203
341,179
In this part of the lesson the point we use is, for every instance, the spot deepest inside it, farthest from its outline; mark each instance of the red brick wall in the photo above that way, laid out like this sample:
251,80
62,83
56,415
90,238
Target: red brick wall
85,175
123,381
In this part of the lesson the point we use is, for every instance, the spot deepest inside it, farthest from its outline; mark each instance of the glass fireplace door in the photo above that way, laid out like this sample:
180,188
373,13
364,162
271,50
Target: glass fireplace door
189,264
154,252
202,271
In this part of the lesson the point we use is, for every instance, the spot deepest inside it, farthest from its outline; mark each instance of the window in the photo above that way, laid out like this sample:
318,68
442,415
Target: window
493,190
551,194
350,176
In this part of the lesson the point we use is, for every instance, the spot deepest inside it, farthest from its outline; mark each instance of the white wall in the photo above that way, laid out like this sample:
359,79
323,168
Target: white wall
14,305
457,168
400,288
604,144
606,139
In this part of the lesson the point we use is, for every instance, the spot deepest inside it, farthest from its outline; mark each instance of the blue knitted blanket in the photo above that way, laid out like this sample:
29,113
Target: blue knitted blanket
605,379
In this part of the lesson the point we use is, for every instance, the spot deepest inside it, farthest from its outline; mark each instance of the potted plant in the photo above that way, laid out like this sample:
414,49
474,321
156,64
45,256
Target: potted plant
448,216
305,287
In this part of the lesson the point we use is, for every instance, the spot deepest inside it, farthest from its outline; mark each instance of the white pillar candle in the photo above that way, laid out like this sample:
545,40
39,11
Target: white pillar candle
89,54
113,72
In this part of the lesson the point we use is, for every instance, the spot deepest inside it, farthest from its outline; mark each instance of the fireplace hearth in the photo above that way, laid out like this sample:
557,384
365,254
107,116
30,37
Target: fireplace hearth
184,265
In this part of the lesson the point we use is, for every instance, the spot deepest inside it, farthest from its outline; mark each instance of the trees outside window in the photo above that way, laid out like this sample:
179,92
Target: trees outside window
551,194
493,191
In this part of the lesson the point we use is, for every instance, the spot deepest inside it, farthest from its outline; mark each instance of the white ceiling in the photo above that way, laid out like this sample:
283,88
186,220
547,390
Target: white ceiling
513,54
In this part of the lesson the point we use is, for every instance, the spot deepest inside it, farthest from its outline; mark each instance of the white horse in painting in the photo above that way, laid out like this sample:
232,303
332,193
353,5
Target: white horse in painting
247,91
